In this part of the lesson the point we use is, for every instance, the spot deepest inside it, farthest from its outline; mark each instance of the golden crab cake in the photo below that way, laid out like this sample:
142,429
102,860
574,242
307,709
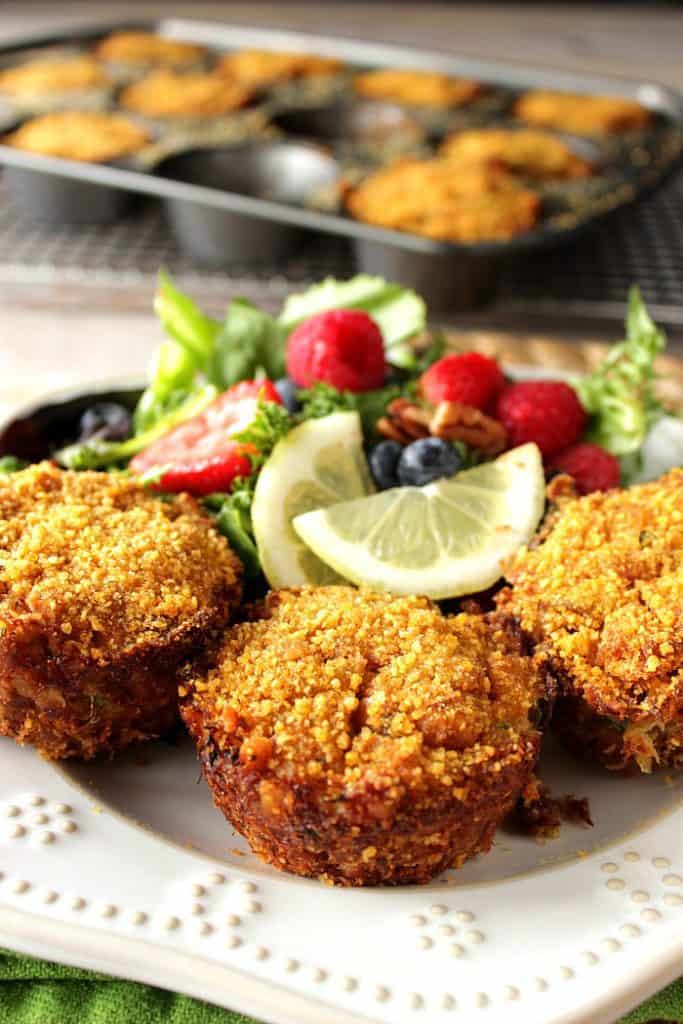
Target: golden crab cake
417,88
43,78
93,137
580,114
80,135
261,68
147,48
530,153
435,199
104,591
167,94
602,596
365,739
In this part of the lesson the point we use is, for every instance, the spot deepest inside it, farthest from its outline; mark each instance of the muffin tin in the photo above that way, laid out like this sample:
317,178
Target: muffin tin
254,184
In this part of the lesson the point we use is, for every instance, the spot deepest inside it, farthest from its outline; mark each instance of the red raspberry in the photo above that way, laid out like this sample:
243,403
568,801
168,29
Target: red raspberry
592,468
342,347
466,377
545,411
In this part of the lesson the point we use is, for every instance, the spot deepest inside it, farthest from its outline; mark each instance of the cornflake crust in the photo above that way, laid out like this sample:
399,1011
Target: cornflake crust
533,154
261,68
41,78
601,595
148,48
583,115
362,738
166,93
417,88
436,199
80,135
104,590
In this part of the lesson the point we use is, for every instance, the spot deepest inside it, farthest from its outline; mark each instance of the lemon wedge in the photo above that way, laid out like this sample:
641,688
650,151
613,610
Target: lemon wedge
319,463
449,538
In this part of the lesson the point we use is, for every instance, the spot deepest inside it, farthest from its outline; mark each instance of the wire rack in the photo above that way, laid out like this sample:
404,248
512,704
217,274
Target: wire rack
587,278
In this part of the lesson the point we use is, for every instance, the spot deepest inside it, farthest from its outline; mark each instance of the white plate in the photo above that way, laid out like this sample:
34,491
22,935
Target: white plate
124,866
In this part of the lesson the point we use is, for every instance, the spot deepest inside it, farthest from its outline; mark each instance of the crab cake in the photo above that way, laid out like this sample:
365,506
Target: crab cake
261,68
417,88
582,115
534,154
365,739
602,596
41,78
167,94
146,48
436,199
80,135
104,590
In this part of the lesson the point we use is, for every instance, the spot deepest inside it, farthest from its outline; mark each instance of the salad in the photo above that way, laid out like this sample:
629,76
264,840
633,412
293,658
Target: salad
342,440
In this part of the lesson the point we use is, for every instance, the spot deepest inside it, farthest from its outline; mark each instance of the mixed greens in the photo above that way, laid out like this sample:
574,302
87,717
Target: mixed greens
619,395
202,358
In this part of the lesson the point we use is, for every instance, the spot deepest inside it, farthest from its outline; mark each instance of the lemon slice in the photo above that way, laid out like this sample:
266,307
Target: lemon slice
319,463
449,538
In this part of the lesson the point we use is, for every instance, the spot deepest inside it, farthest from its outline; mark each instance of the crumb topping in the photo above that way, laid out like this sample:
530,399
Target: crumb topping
533,153
40,78
603,595
265,67
148,48
417,88
366,691
166,93
572,112
438,199
80,135
105,565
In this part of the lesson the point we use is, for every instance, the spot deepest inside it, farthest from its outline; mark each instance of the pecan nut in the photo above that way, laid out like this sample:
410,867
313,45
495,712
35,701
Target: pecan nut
405,421
454,421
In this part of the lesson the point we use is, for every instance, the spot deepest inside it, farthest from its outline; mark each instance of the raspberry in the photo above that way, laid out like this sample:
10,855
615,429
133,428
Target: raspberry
592,468
342,347
466,377
545,411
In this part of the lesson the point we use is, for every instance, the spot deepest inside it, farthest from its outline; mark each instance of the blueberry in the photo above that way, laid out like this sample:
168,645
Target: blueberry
383,462
426,460
289,393
108,421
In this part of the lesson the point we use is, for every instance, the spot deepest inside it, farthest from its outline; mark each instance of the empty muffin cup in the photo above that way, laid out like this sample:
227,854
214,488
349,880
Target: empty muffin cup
279,172
361,122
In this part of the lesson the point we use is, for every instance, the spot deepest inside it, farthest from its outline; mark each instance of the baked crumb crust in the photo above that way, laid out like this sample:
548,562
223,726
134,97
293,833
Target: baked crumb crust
364,738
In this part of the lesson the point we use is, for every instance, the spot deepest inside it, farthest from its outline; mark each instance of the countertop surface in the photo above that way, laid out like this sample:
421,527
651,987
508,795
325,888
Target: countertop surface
47,343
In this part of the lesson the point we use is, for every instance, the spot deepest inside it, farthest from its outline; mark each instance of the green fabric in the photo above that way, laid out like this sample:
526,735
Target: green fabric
38,992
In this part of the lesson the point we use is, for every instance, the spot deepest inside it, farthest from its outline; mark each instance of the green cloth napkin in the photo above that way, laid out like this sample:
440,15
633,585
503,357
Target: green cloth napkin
38,992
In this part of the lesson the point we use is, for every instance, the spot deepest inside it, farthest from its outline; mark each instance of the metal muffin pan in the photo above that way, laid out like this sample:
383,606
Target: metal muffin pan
220,215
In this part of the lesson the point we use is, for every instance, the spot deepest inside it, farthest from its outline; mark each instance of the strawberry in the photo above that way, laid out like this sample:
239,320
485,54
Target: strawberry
198,455
342,347
264,390
547,412
467,377
592,468
208,475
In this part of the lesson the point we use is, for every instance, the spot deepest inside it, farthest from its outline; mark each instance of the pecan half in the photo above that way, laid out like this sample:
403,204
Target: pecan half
405,421
454,421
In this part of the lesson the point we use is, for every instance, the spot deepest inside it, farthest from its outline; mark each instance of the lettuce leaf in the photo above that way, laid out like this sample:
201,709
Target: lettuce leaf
619,395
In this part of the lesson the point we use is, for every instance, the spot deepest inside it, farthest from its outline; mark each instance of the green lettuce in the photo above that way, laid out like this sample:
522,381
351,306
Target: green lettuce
619,396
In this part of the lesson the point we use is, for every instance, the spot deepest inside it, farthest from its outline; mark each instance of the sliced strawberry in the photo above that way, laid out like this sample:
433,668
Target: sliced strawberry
264,390
198,455
209,475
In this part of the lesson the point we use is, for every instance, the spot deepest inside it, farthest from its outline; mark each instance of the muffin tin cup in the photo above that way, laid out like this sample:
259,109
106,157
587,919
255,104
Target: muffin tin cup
54,200
220,222
445,280
279,171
